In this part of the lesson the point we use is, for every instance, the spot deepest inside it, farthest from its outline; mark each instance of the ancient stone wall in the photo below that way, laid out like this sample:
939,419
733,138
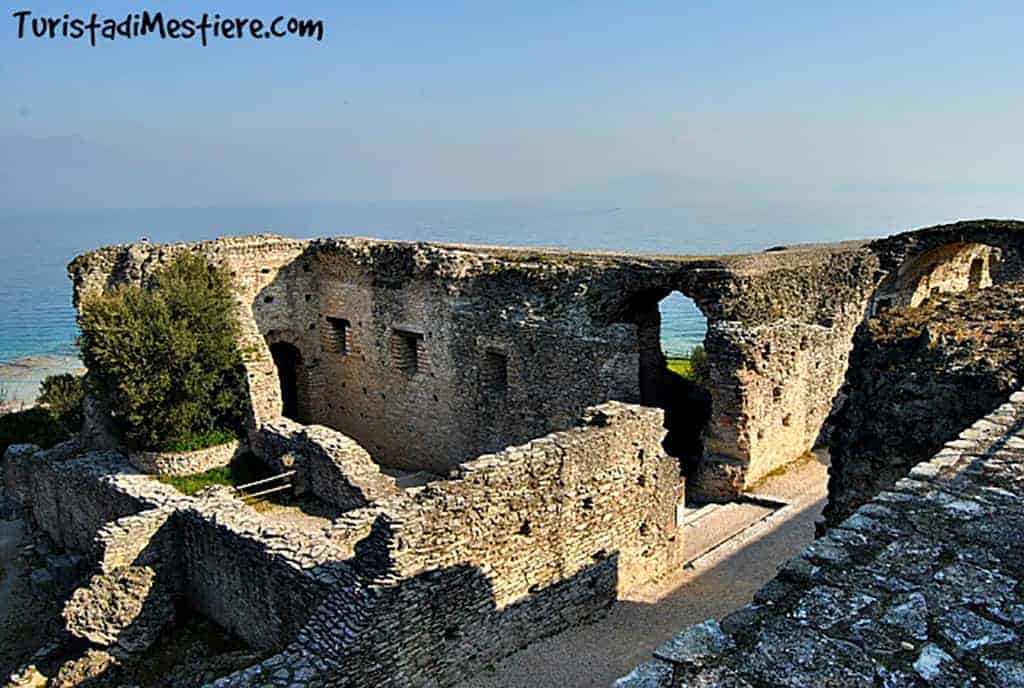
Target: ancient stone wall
515,546
73,496
186,463
458,350
920,586
328,464
257,581
915,376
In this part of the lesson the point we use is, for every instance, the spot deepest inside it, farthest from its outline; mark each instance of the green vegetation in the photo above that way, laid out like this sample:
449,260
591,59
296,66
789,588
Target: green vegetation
63,395
163,357
680,366
200,440
33,426
693,367
245,469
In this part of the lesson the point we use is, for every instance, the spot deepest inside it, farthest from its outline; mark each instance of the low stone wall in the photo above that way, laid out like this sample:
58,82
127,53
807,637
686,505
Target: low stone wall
73,495
329,464
917,587
515,546
258,581
186,463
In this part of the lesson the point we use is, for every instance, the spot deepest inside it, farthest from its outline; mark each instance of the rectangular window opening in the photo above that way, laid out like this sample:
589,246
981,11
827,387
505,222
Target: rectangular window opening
495,371
336,335
405,351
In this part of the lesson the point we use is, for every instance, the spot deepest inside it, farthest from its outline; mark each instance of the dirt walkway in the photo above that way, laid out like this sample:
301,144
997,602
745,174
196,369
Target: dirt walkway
715,584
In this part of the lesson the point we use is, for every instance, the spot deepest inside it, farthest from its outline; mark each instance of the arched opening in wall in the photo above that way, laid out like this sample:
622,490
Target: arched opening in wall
288,361
683,329
946,269
674,371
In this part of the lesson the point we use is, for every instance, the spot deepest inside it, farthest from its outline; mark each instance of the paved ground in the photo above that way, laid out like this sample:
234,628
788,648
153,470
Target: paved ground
715,584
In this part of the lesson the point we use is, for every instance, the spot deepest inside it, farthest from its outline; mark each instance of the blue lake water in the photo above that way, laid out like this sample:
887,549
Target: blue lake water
36,317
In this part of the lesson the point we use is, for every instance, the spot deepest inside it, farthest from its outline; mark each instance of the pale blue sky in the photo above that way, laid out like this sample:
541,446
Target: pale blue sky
481,100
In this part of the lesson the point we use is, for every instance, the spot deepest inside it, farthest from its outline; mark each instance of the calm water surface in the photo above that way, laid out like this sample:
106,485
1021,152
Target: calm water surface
35,295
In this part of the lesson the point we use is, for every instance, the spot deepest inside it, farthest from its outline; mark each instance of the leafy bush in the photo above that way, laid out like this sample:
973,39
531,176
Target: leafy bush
694,368
699,365
35,426
163,357
201,440
243,470
63,396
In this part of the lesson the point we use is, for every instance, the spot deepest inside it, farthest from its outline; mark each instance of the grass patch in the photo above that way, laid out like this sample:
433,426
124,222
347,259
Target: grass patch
693,368
680,366
245,469
33,426
199,440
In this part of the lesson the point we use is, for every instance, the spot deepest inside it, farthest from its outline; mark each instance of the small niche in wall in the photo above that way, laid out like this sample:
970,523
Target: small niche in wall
494,372
405,351
335,336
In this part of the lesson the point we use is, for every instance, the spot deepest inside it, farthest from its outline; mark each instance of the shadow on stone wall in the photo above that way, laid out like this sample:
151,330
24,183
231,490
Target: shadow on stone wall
936,350
917,376
437,627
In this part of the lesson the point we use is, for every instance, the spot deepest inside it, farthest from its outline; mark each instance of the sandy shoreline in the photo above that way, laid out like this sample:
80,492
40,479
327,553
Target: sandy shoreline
20,379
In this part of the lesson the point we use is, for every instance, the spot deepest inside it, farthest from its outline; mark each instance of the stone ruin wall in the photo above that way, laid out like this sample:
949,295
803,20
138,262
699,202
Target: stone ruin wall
769,314
516,546
73,499
259,581
448,577
563,326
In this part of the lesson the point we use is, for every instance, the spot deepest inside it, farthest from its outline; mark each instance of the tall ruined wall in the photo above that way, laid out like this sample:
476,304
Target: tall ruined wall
917,375
429,355
777,351
503,353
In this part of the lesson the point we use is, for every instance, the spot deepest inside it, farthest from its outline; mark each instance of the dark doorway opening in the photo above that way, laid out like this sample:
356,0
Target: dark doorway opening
288,361
671,330
976,274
